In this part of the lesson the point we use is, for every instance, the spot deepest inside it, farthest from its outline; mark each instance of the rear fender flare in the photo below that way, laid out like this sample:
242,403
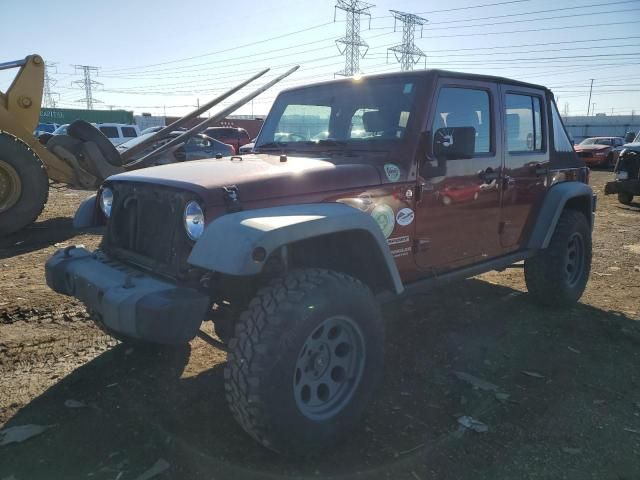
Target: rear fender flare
555,201
228,243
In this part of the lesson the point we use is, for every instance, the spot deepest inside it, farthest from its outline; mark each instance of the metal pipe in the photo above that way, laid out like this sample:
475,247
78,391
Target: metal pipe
216,118
162,133
13,64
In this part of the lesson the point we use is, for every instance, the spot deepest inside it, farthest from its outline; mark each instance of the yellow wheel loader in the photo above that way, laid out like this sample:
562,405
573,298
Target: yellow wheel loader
84,157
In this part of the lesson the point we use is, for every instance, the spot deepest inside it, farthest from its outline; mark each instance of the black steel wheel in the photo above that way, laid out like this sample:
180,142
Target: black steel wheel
305,360
557,275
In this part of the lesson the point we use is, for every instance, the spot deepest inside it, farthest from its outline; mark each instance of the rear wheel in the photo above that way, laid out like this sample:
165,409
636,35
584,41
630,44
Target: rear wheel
24,186
305,360
558,274
625,198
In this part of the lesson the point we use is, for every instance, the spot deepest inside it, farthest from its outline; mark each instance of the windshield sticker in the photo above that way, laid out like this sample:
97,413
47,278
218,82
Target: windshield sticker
397,240
405,217
383,215
408,88
401,252
392,171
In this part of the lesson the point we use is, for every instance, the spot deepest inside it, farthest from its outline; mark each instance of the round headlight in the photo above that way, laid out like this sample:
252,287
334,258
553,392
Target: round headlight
106,200
193,220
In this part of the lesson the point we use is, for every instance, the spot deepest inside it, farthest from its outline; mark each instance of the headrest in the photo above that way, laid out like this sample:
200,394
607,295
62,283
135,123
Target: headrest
373,121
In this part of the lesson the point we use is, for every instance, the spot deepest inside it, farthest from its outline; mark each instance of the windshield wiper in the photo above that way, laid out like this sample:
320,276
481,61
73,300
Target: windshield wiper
272,145
327,141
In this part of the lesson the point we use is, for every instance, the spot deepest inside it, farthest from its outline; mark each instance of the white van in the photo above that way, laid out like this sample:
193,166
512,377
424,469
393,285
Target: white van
118,133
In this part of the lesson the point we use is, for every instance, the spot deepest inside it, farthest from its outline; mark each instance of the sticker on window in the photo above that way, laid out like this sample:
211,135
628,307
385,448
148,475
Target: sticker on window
408,88
392,171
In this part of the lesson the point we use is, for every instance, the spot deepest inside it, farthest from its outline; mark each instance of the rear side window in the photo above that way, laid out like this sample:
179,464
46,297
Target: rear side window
244,135
524,123
109,132
560,139
129,132
465,107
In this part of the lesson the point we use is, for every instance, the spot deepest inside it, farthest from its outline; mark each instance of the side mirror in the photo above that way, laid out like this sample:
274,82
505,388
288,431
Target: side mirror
453,143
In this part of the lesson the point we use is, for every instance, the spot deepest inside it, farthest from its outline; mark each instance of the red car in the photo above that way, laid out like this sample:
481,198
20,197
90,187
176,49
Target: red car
600,151
230,135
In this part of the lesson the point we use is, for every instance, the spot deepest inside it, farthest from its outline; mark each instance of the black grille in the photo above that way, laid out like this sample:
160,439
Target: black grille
146,227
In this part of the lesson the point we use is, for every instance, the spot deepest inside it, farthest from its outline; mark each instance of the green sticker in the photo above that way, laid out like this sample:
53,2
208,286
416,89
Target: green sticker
384,216
392,171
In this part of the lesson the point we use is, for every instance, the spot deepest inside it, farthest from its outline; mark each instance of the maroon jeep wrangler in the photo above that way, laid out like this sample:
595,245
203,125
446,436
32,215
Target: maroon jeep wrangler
385,186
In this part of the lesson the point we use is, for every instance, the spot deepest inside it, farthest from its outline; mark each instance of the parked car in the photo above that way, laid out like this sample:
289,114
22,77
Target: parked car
247,147
117,133
45,128
229,135
197,147
626,183
600,151
291,251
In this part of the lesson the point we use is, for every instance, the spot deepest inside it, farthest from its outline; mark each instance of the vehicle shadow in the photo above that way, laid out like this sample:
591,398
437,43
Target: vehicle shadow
143,405
38,235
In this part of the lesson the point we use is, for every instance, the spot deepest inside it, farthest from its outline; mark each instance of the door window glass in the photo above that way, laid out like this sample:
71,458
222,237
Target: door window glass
109,132
524,124
129,132
465,107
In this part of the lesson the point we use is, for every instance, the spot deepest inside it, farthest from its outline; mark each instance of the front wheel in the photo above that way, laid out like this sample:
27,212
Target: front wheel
558,274
625,198
305,360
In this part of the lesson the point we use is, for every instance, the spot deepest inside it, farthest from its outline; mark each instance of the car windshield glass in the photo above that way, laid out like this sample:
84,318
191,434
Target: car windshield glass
596,141
343,114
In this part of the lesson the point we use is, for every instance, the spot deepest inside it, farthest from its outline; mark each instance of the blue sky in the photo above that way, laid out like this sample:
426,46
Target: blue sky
166,55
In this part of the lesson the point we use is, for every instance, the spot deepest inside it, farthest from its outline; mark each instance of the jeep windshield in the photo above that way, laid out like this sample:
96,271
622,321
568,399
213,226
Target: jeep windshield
348,114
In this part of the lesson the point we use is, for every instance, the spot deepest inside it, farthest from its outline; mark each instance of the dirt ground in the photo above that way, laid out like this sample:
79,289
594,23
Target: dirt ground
566,402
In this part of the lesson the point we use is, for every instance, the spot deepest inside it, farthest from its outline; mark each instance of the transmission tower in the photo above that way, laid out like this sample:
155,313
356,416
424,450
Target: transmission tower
49,96
88,84
350,44
407,53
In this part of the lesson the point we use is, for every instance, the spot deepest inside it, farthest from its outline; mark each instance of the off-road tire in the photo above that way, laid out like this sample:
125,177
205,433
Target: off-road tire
267,346
625,198
34,184
547,274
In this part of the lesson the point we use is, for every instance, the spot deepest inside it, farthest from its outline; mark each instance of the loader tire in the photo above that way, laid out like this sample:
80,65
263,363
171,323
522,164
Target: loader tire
24,186
86,132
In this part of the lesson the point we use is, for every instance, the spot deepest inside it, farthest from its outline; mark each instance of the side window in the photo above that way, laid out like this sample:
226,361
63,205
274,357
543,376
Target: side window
129,132
524,123
465,107
109,132
560,140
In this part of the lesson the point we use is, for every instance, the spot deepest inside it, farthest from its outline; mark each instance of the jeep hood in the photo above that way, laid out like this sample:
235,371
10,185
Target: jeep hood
257,177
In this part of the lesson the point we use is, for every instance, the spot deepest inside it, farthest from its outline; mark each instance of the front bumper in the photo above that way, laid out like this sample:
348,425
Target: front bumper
631,187
125,300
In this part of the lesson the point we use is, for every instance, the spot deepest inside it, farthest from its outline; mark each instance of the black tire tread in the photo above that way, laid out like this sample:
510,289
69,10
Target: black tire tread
544,281
250,352
8,221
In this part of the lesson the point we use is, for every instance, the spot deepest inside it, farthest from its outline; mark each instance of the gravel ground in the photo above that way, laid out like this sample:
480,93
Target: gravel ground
566,402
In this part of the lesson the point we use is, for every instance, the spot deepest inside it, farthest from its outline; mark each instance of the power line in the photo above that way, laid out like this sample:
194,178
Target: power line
87,83
352,41
407,53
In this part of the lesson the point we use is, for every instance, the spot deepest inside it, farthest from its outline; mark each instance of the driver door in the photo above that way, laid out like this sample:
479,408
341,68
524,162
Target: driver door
459,203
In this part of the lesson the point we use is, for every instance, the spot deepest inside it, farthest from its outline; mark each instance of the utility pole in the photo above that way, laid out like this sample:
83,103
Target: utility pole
589,102
407,53
566,109
87,83
350,44
49,96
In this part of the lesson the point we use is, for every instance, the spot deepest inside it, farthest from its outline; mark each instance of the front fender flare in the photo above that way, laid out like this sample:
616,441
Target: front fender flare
552,206
228,242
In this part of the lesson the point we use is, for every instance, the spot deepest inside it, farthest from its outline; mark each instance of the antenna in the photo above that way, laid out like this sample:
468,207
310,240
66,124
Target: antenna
407,53
350,44
87,83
